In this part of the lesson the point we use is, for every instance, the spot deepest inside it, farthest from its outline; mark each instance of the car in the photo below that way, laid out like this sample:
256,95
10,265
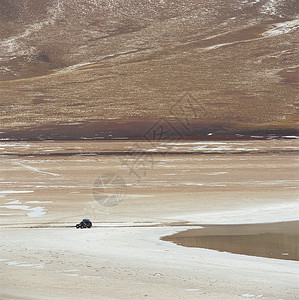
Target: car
85,223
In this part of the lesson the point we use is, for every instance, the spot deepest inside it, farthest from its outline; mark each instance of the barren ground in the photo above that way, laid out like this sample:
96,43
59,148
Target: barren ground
75,68
42,255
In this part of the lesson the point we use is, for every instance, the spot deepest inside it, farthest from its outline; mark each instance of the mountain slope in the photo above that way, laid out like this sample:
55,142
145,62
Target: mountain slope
102,69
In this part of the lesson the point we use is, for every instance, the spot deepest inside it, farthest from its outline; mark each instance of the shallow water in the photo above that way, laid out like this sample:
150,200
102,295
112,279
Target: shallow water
276,240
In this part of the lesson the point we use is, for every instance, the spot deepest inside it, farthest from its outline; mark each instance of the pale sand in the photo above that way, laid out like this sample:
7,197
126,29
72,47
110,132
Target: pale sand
132,263
122,256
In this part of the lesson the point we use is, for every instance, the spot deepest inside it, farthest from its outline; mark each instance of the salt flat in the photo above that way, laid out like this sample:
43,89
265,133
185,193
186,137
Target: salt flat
122,256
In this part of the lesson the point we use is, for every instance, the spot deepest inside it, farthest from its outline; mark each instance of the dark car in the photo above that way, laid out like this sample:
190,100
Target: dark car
85,223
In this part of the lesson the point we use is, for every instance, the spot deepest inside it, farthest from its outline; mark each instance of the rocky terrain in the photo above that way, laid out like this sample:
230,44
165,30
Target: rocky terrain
73,69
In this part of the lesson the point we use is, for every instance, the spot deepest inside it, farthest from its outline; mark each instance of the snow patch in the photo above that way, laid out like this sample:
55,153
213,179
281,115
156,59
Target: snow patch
282,28
36,201
15,192
36,212
216,173
270,7
14,202
37,170
32,212
22,264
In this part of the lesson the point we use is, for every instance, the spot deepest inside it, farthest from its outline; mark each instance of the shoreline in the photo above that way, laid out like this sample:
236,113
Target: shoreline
118,263
122,256
151,129
277,240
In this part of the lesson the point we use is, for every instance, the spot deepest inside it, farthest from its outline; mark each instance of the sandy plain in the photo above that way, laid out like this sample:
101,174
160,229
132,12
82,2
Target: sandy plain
45,192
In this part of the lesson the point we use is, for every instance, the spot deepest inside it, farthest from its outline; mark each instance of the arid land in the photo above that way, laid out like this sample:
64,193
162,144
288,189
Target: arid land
205,95
76,69
48,187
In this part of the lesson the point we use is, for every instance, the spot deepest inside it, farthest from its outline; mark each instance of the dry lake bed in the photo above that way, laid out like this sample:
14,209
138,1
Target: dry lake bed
229,201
